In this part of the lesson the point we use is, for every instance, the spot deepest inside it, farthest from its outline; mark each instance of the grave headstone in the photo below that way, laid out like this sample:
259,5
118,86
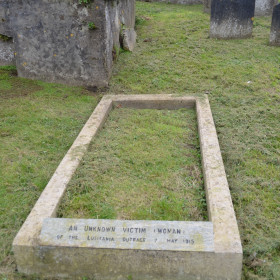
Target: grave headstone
70,42
232,19
120,249
264,7
275,27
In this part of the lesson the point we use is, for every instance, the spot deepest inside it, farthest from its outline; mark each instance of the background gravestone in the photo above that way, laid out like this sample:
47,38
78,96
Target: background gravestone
65,41
264,7
232,18
275,27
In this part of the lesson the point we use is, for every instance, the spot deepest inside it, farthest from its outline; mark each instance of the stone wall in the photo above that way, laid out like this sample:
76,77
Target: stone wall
184,2
65,41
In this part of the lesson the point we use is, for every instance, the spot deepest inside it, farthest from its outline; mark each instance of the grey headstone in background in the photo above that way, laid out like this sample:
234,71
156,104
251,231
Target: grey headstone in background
264,7
275,27
232,19
54,43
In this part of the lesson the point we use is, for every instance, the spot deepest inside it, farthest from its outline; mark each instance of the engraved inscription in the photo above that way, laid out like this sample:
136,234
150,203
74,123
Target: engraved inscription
140,235
100,229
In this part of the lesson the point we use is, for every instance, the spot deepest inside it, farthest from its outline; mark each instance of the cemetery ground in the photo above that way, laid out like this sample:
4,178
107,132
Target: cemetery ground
147,167
39,122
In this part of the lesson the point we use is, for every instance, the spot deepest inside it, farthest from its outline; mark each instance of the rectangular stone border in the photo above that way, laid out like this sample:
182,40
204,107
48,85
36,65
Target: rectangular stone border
224,263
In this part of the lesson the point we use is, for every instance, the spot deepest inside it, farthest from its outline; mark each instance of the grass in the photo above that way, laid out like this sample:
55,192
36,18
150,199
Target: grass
38,123
173,55
144,165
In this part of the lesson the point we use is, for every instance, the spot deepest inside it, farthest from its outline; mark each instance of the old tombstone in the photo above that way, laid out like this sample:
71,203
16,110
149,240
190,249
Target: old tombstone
207,6
232,19
70,42
264,7
275,27
118,249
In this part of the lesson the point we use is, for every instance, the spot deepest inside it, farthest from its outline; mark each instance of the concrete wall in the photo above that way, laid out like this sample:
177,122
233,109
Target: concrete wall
54,43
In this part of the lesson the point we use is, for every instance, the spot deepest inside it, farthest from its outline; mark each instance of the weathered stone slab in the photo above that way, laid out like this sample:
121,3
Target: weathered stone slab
75,262
264,7
275,27
138,235
232,19
128,39
66,41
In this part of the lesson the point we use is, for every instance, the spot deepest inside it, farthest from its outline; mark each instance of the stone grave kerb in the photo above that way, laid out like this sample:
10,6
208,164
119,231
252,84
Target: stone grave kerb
223,262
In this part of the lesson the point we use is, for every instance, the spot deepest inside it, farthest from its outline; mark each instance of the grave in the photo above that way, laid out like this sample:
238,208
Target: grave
232,19
72,42
121,249
275,27
264,7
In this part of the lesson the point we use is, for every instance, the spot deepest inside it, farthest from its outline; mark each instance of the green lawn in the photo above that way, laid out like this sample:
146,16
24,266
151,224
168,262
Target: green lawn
174,54
38,124
144,165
